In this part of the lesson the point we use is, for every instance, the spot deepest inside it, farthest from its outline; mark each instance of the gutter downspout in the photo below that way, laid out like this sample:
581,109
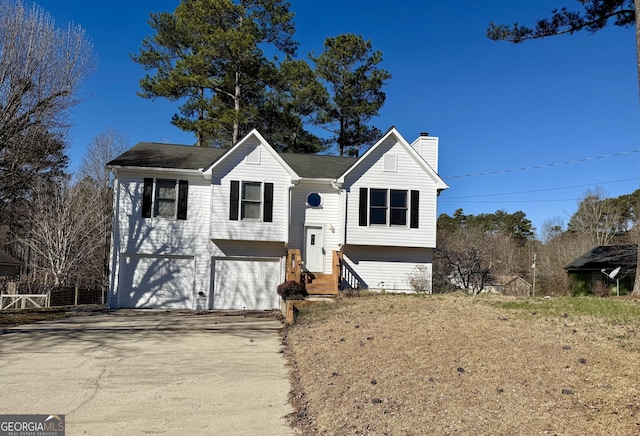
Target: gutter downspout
289,210
343,213
115,239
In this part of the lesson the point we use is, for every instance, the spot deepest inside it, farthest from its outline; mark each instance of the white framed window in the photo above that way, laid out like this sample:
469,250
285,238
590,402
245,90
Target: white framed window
397,207
378,206
165,198
389,207
251,201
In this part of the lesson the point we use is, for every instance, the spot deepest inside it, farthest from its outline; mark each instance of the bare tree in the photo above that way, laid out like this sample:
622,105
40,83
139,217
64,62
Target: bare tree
41,69
65,223
559,249
466,259
598,217
550,229
93,172
104,147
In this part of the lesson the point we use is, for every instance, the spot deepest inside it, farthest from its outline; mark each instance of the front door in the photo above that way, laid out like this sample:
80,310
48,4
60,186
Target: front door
314,256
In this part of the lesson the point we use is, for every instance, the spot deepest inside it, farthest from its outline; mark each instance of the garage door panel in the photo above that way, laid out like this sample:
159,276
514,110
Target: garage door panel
246,284
156,282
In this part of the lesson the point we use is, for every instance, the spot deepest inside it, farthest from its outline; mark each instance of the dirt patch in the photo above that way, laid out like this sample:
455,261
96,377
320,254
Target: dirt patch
457,365
18,317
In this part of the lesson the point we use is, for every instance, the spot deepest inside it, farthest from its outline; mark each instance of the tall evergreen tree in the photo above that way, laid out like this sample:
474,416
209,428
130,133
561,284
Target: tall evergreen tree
596,14
295,99
210,54
350,68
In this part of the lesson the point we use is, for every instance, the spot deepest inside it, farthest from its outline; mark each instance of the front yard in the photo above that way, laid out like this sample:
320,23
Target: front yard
453,364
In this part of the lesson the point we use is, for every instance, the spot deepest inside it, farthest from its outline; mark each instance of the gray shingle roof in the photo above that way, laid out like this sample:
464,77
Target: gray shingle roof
607,257
7,259
321,167
158,155
174,156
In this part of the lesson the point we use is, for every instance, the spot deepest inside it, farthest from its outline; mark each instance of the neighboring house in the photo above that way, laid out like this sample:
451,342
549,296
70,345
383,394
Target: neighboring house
587,269
509,285
9,266
203,228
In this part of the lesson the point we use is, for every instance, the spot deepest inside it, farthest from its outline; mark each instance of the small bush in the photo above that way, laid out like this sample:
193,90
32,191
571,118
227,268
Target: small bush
420,279
292,290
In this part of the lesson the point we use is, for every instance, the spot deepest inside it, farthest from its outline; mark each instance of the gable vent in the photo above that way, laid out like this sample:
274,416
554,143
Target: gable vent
252,155
390,163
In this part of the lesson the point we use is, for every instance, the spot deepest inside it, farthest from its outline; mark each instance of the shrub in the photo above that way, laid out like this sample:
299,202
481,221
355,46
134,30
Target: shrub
292,290
420,279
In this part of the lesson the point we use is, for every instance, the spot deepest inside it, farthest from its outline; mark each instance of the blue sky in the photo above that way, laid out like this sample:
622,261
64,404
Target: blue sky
498,108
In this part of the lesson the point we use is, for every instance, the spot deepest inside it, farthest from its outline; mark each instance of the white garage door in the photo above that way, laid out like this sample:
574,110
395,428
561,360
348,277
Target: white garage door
246,284
156,282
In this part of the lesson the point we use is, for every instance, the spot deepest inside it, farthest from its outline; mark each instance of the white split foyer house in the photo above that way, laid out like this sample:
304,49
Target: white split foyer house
204,228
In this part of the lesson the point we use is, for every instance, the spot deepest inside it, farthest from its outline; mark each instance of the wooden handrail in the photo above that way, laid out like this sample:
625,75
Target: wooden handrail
337,269
294,265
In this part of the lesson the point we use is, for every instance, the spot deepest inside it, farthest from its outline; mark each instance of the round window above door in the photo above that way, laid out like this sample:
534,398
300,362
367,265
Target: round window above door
314,199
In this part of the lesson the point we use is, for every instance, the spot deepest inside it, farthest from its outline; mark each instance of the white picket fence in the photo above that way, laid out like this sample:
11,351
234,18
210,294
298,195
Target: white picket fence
23,301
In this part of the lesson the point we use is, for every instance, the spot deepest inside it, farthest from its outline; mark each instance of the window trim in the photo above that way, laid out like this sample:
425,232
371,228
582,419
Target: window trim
236,201
410,208
151,200
159,200
393,208
377,207
246,201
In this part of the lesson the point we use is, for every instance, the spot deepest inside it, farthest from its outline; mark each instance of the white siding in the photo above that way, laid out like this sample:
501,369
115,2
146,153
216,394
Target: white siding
133,234
245,251
246,284
268,170
328,216
427,147
410,176
387,268
156,282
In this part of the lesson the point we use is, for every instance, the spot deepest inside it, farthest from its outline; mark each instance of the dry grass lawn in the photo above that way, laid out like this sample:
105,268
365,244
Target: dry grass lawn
407,365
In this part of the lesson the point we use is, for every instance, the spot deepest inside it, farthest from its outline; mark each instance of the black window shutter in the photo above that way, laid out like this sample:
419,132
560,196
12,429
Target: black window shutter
183,194
234,202
267,212
364,204
415,207
147,195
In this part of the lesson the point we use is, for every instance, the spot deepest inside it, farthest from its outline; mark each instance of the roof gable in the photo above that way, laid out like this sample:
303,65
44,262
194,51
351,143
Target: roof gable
240,147
393,133
154,155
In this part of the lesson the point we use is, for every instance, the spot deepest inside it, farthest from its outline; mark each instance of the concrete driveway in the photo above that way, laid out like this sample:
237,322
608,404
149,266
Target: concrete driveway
149,372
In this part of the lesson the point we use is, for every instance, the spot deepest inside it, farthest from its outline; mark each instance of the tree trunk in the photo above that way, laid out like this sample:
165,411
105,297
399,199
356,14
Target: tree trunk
636,285
236,107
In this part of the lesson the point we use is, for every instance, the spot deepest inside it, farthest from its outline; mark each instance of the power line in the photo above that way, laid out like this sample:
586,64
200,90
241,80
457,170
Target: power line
549,165
541,190
514,201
